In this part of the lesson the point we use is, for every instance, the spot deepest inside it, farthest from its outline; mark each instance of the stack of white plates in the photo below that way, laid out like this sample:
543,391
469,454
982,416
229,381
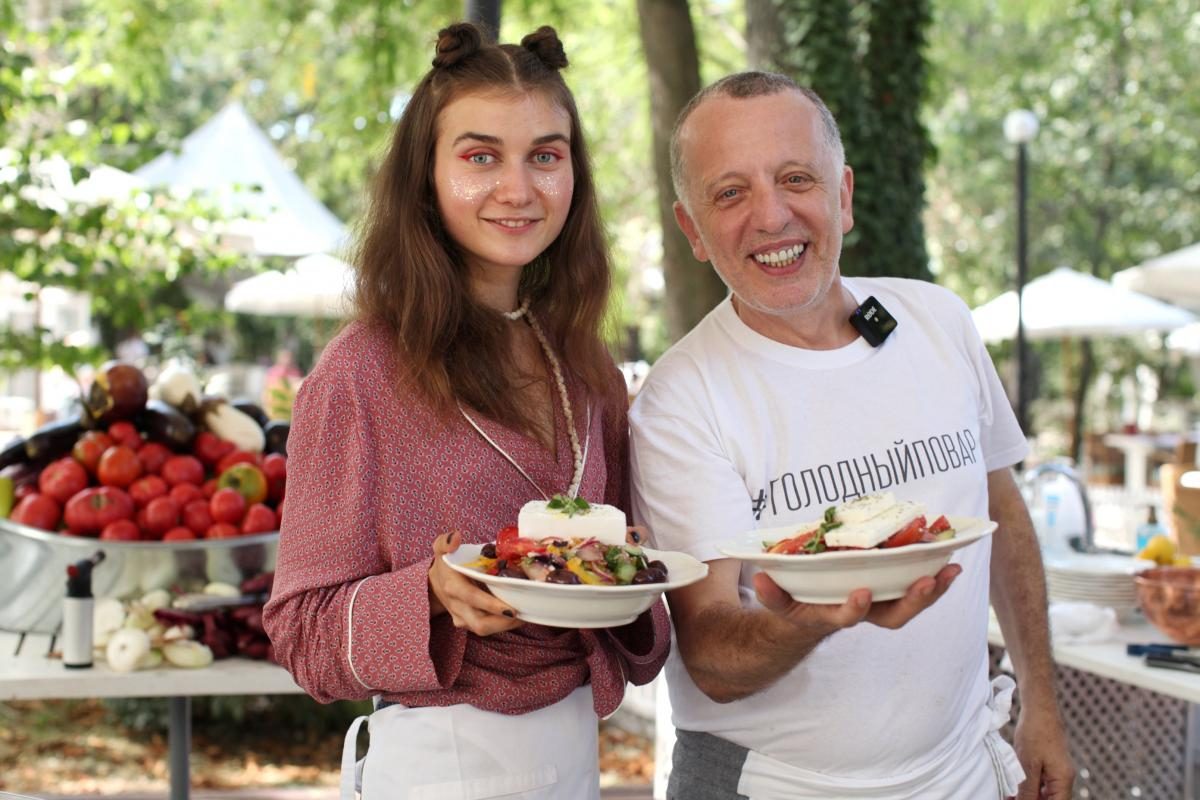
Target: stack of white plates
1102,579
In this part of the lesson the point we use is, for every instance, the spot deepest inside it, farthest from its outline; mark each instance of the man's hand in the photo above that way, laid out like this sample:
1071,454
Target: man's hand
858,606
1041,745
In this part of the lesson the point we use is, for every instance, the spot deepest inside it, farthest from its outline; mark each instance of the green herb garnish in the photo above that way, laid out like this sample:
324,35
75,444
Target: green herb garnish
568,505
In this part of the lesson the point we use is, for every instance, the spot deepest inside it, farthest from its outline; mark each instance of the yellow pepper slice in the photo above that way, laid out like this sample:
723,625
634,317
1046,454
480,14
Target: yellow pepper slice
576,566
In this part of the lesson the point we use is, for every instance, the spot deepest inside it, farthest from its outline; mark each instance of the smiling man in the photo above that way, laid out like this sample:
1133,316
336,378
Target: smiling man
776,407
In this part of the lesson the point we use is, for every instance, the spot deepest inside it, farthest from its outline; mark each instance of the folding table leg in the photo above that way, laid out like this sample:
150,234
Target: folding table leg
179,745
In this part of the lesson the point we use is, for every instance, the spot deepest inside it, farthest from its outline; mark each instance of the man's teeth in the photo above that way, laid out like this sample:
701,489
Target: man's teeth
784,256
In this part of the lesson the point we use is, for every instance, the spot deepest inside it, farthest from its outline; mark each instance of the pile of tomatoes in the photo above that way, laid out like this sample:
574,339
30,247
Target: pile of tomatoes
117,485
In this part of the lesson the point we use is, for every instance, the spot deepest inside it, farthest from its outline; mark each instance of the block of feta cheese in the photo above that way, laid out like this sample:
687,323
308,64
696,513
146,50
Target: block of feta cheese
605,523
873,530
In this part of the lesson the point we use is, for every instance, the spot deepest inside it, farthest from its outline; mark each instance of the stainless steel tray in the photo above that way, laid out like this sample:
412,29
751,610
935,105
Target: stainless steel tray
33,569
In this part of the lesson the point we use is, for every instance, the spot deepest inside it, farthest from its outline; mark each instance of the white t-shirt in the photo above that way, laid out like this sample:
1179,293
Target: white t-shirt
733,431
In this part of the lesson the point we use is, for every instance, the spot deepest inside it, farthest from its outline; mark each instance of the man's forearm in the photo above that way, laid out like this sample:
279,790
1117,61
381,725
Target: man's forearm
1018,594
733,652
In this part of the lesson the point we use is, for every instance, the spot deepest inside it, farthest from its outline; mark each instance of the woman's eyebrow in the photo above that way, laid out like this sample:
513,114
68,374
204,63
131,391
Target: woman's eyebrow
486,138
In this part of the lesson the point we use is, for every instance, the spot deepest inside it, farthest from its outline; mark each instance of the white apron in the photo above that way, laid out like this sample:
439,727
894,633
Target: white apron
462,753
987,770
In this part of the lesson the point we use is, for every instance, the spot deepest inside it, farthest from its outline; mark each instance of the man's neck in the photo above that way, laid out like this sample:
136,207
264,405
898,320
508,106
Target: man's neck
824,327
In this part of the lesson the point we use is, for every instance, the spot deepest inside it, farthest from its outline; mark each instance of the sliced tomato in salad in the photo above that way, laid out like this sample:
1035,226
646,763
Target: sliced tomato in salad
511,547
939,525
793,545
909,534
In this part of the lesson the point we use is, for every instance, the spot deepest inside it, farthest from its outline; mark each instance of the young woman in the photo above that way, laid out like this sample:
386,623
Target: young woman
471,381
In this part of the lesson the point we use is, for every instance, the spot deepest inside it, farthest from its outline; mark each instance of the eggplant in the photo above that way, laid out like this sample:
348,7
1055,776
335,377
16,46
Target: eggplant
252,410
164,423
277,435
43,445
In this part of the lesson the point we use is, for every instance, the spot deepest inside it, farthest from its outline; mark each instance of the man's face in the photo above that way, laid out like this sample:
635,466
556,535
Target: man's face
765,202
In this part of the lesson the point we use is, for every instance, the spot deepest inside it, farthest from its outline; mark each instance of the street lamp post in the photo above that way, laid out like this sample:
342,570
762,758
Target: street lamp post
1020,127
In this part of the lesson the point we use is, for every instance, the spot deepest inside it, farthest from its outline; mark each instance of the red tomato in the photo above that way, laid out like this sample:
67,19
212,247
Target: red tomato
153,455
940,524
119,466
209,487
259,519
185,493
37,511
274,466
510,546
143,490
236,457
210,448
123,530
197,517
90,510
62,479
793,545
909,534
183,469
227,505
124,433
179,534
162,514
221,530
90,447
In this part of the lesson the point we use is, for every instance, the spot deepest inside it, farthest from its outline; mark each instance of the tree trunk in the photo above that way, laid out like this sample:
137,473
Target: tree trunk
485,14
669,43
1087,364
764,35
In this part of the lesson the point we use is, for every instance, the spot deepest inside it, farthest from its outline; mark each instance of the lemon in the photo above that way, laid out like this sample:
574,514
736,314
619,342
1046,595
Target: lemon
1160,550
1182,561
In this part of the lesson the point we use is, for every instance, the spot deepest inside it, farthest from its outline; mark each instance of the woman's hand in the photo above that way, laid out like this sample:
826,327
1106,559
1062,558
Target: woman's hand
468,605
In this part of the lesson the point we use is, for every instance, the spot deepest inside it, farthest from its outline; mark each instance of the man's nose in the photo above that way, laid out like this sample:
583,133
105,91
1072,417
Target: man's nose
515,187
770,210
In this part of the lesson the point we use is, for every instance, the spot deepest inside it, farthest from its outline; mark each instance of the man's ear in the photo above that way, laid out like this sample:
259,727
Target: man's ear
847,199
688,226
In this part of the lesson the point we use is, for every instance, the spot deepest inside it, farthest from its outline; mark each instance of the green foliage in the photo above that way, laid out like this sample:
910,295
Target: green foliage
865,58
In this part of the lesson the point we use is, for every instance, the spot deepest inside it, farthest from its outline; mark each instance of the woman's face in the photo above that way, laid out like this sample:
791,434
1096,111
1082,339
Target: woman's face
503,175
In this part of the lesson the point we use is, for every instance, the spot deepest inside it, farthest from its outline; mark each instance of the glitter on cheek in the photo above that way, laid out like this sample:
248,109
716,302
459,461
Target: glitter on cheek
554,184
472,188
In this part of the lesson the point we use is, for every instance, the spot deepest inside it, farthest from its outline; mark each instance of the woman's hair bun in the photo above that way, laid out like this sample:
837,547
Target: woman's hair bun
544,44
459,41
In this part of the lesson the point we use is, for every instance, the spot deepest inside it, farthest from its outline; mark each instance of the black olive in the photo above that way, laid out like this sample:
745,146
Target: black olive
488,550
656,564
649,575
561,543
562,576
511,571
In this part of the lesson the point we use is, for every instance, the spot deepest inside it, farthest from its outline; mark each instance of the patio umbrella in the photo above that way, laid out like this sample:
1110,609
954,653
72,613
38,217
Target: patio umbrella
1186,340
233,162
317,286
1174,277
1068,303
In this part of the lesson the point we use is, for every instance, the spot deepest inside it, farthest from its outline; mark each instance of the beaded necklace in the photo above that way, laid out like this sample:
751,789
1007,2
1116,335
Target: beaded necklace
578,454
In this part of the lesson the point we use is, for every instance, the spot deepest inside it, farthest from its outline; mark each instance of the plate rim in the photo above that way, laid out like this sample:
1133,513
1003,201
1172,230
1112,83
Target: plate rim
977,528
590,589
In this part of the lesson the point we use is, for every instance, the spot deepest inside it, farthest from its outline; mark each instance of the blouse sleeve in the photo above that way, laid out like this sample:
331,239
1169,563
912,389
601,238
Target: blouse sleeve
642,645
343,621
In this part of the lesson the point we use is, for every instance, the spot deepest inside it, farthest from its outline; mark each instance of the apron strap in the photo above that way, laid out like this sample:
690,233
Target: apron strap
1009,773
351,782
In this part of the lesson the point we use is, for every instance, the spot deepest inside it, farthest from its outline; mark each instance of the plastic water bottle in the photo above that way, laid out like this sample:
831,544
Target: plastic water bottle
1148,529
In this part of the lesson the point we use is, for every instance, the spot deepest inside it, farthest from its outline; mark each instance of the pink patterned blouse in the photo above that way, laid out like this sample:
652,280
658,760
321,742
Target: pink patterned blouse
374,475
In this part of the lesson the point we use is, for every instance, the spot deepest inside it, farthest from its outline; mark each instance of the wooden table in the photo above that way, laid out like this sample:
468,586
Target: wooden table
31,670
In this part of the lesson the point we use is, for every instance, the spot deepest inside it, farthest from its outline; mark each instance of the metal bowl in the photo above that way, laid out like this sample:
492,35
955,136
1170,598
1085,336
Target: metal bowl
33,569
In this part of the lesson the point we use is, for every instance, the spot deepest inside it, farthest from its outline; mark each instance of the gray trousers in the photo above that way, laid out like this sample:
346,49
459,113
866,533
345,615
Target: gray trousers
705,767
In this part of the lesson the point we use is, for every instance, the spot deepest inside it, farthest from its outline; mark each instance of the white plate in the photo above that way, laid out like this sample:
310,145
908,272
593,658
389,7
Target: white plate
830,577
1095,565
580,605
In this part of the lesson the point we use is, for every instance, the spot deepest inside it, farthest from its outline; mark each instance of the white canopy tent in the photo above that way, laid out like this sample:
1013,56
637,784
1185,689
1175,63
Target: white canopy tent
1174,277
234,162
315,286
1065,302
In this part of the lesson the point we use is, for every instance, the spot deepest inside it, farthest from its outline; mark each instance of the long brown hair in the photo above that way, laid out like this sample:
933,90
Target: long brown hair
411,278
